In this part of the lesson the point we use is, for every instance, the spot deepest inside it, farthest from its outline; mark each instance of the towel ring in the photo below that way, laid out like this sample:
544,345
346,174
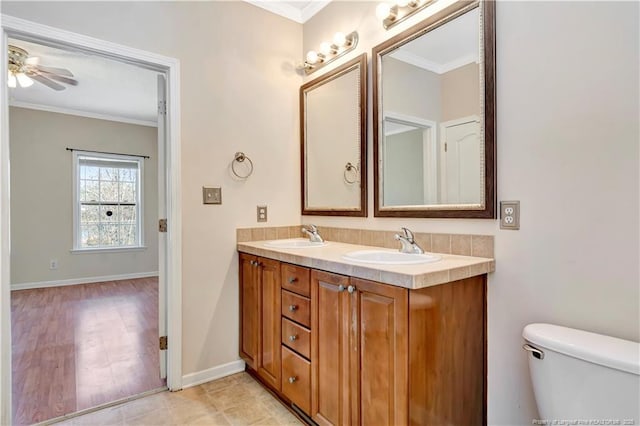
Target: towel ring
239,158
350,168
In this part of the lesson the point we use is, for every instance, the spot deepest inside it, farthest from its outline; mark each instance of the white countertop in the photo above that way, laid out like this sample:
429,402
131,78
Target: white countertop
329,258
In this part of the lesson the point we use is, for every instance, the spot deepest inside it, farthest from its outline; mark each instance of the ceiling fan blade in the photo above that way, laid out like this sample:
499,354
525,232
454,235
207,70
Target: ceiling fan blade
60,78
52,70
44,80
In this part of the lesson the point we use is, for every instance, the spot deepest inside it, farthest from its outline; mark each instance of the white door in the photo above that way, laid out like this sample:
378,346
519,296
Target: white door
460,150
162,213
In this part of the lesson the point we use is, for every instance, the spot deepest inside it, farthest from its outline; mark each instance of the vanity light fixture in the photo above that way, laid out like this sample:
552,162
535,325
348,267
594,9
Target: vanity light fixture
393,13
329,52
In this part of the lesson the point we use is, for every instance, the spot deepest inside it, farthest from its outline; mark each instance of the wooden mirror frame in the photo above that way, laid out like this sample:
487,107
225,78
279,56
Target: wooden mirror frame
361,62
487,9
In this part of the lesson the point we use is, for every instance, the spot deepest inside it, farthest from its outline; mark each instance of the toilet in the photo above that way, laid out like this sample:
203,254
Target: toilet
578,375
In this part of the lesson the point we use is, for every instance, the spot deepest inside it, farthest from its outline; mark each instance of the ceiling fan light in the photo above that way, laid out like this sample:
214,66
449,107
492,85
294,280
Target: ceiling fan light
24,80
11,80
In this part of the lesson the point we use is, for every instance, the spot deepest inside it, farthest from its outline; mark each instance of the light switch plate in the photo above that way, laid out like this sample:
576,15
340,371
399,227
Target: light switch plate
261,213
510,215
211,195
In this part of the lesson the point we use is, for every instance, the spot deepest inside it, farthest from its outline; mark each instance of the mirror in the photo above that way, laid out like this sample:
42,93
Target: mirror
434,129
333,138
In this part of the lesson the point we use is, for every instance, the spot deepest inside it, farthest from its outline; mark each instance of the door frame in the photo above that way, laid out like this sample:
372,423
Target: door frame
24,29
430,149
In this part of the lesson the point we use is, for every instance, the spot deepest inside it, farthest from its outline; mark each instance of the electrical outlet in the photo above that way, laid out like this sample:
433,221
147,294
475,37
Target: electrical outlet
509,214
211,195
261,213
53,264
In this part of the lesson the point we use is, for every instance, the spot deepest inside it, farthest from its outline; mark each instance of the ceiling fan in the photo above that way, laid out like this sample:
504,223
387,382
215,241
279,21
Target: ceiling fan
23,70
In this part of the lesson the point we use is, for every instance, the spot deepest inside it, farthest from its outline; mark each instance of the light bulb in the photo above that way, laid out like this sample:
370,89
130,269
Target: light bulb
11,80
326,49
312,57
383,11
339,39
403,3
24,80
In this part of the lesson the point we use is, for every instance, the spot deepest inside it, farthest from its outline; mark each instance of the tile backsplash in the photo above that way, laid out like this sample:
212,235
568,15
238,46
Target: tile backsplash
461,244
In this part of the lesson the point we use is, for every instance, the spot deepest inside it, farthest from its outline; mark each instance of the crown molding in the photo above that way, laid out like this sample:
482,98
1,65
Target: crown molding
290,12
428,65
86,114
312,8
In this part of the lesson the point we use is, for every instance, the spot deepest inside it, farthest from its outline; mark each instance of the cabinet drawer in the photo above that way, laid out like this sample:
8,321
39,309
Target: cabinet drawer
296,279
296,379
296,308
296,337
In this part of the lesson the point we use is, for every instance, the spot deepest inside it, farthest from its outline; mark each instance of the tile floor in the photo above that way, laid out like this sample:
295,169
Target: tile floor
233,400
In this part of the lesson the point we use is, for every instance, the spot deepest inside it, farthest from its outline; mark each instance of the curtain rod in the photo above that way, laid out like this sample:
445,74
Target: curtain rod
103,152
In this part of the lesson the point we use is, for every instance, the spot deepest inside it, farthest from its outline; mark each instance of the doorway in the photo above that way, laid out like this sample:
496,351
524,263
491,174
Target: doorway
169,243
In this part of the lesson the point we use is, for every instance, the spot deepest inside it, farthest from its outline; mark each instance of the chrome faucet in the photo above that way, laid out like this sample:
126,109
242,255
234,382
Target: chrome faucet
408,242
312,232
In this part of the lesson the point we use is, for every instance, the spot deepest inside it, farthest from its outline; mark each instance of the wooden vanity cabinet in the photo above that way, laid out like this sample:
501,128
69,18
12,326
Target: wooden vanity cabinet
331,382
359,353
448,353
249,294
380,353
260,321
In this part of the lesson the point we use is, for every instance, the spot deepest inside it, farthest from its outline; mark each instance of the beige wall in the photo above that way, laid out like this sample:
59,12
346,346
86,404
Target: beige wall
404,175
568,149
239,92
401,95
42,194
408,89
460,92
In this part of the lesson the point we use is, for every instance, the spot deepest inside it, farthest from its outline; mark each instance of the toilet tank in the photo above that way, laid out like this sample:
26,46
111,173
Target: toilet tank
583,377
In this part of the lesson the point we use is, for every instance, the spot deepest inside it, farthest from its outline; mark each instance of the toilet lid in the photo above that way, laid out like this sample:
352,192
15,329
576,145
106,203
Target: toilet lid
596,348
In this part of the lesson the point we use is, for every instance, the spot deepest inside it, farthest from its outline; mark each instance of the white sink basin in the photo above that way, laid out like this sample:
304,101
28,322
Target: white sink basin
382,257
293,243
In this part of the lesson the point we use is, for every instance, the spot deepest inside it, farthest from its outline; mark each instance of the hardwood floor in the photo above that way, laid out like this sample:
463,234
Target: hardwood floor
76,347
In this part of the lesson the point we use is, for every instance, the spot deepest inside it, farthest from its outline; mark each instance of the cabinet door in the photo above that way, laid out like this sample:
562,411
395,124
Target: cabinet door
270,323
330,352
249,313
382,346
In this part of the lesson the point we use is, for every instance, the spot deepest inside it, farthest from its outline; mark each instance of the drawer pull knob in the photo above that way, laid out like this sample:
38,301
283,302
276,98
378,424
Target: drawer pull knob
292,379
292,280
351,289
293,338
341,288
293,308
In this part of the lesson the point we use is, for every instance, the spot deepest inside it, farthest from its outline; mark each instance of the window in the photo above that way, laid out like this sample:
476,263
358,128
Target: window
107,202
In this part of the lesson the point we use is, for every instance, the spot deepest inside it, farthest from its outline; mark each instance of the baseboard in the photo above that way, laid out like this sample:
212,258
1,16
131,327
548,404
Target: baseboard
86,280
217,372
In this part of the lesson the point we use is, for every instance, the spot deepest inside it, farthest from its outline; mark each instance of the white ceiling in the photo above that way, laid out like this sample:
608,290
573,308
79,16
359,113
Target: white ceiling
106,88
448,47
299,11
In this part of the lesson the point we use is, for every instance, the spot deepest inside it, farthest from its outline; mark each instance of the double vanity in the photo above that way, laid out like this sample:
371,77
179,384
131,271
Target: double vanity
356,331
350,334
